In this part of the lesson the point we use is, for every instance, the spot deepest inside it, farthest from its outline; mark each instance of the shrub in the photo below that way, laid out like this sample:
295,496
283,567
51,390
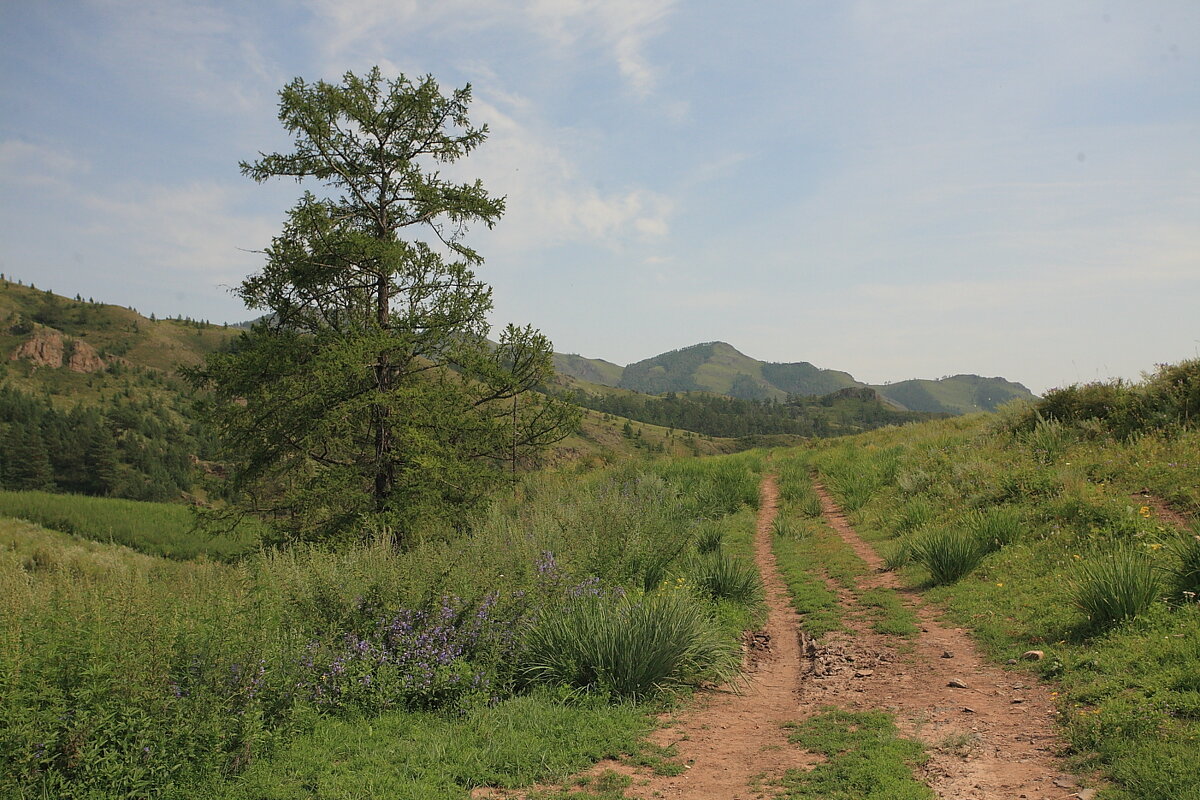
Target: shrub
628,647
1117,587
947,553
721,577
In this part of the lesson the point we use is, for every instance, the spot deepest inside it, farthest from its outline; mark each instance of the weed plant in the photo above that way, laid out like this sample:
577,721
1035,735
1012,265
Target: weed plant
1115,587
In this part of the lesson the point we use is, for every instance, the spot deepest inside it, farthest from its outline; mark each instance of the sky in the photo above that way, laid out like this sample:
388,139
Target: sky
894,189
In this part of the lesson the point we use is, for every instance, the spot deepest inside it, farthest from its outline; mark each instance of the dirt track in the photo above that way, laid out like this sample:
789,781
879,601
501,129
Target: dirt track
992,740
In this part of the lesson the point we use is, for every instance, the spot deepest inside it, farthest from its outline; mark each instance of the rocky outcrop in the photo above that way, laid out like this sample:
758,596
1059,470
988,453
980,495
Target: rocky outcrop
44,348
84,358
47,347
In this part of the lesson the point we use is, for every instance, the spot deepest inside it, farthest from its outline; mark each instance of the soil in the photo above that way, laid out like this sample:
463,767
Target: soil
991,733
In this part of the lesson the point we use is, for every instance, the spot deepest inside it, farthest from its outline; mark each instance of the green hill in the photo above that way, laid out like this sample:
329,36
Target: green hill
720,368
593,370
958,394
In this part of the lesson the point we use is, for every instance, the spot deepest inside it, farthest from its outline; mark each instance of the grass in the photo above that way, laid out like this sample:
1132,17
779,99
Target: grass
721,577
159,529
865,759
406,756
890,616
796,558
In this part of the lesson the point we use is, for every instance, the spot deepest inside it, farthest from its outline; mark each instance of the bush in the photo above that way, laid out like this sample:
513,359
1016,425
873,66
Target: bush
629,647
721,577
1115,588
948,554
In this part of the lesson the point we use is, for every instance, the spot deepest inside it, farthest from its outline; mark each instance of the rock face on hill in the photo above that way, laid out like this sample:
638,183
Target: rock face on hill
47,347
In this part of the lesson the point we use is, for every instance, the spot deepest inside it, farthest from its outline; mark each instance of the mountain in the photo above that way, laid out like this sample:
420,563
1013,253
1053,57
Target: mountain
719,368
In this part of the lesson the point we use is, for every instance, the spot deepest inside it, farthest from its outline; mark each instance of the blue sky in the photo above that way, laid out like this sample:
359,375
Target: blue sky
896,189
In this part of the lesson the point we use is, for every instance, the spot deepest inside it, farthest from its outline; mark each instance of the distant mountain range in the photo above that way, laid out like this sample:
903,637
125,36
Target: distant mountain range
41,328
719,368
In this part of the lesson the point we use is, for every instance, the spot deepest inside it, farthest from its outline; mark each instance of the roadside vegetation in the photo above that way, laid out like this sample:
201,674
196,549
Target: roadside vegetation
1067,527
298,672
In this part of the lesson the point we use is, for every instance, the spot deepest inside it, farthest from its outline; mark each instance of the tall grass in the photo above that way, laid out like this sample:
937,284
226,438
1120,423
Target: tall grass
721,577
1185,573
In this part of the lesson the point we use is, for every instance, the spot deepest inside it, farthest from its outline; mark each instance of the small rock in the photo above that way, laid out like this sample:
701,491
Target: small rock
1033,655
956,684
1011,661
1018,700
1065,782
947,654
864,673
968,710
1086,794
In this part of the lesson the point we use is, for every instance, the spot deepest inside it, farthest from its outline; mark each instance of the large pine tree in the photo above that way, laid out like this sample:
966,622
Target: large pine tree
369,396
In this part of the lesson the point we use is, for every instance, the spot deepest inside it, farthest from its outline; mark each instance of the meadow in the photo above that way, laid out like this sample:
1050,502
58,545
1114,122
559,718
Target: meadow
520,651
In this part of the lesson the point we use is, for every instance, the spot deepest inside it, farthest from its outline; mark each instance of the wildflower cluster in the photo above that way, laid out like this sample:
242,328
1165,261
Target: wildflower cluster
414,659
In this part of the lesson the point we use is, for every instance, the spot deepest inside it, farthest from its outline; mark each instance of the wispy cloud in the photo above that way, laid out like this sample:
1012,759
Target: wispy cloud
370,31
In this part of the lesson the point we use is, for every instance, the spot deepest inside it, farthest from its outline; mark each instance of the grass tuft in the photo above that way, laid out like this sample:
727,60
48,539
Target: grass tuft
1115,588
721,577
628,647
947,553
1185,575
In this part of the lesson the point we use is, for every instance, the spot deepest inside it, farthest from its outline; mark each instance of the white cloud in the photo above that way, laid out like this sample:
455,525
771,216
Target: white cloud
549,200
193,232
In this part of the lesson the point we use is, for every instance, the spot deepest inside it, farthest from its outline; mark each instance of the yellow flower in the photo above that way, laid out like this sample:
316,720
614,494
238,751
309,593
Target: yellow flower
999,584
1144,511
